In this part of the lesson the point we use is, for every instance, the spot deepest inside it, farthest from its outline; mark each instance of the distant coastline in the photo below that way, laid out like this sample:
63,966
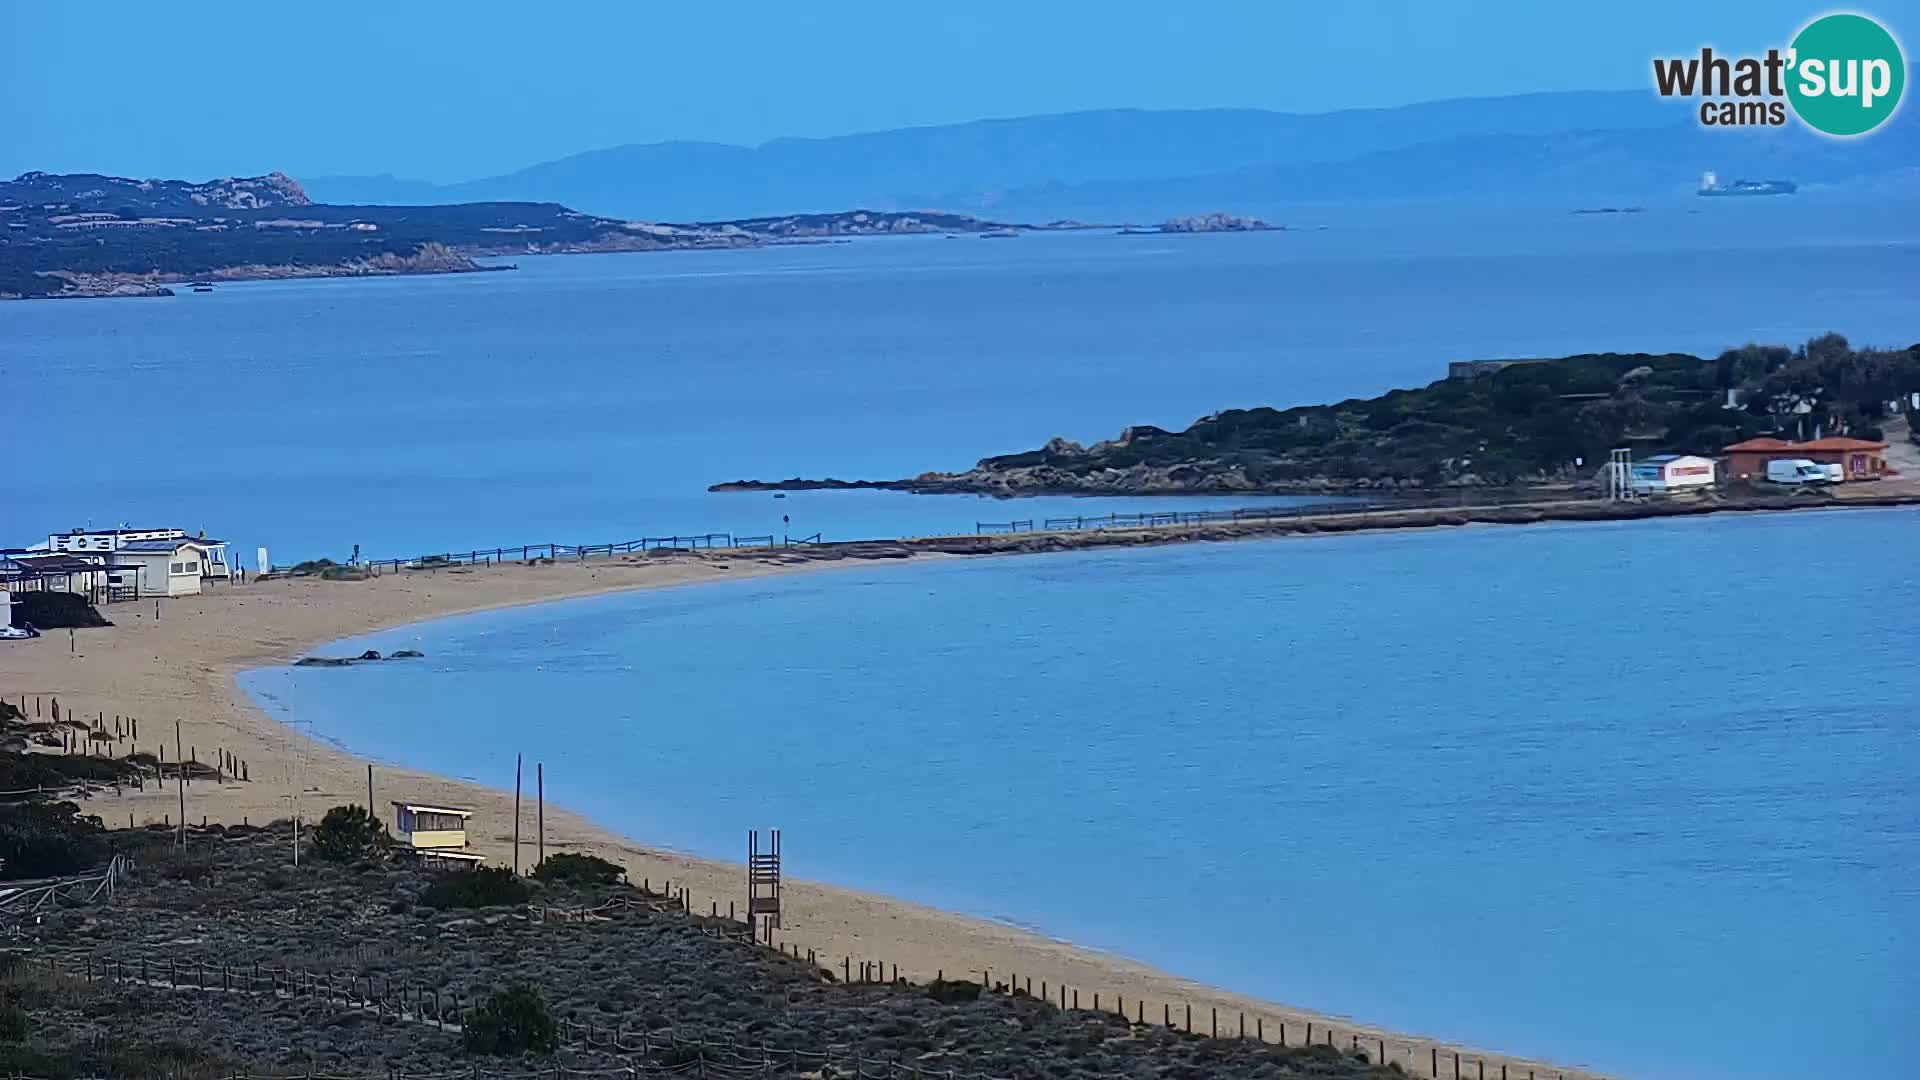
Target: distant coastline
86,235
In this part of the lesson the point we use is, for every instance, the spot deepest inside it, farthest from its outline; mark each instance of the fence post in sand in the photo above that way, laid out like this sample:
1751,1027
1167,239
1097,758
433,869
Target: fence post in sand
1216,1021
516,815
1189,1018
181,784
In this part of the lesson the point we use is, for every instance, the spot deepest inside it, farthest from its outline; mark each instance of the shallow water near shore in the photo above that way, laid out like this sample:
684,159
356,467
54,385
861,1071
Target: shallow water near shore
1638,796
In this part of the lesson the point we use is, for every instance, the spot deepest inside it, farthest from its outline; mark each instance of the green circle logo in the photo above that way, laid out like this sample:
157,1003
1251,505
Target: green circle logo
1847,74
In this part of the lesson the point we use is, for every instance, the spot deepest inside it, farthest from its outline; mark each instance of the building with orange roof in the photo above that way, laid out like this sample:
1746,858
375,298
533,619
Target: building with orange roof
1862,459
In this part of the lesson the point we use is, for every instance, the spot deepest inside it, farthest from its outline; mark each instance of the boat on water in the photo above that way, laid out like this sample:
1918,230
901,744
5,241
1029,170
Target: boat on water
1710,185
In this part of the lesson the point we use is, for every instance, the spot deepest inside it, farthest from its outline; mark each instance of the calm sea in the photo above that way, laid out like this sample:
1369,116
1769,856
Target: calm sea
593,398
1634,795
1640,796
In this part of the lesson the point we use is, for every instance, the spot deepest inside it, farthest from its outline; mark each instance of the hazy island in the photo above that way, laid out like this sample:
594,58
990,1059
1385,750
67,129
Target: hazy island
1215,222
1505,423
90,235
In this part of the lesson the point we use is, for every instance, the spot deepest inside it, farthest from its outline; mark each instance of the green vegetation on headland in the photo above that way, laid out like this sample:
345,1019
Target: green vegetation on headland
1506,423
89,235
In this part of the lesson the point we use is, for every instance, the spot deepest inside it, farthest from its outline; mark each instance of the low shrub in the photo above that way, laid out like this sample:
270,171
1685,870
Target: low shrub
514,1020
578,869
953,991
13,1023
486,886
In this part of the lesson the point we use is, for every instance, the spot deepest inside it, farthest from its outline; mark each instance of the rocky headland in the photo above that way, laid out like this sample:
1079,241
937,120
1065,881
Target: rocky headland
1535,425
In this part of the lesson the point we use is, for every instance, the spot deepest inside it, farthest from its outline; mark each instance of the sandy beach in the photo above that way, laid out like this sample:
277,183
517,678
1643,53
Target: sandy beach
181,666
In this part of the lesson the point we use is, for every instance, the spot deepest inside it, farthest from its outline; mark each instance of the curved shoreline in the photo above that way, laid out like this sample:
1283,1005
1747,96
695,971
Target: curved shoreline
184,665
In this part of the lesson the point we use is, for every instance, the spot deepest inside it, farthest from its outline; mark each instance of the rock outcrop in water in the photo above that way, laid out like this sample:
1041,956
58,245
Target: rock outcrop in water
368,657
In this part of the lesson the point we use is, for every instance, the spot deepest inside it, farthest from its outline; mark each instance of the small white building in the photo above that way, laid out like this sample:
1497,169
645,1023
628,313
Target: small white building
164,567
1664,473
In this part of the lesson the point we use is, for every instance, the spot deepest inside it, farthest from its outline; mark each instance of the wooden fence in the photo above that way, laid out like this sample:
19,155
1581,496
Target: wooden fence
116,740
24,900
1415,1057
405,1001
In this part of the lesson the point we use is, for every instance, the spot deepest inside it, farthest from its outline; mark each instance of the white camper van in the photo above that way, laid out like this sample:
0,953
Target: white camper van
1796,471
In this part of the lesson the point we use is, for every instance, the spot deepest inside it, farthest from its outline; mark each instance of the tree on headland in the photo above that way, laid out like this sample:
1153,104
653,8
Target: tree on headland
48,839
513,1020
348,833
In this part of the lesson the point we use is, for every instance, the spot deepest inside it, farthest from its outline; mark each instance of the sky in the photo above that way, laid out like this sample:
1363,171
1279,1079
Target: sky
444,91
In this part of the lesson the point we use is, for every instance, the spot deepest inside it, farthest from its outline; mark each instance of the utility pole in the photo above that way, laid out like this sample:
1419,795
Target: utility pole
516,815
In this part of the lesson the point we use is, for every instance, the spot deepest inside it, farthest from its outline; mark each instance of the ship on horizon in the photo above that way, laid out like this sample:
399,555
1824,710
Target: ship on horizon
1710,185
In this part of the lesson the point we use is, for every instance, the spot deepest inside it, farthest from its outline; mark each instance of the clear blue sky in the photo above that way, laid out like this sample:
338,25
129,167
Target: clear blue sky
449,91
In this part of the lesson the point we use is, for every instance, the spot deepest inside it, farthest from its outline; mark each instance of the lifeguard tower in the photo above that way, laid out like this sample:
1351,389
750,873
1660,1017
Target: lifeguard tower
433,832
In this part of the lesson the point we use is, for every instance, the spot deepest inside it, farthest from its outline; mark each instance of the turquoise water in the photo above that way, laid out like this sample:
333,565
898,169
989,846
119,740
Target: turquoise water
593,398
1640,796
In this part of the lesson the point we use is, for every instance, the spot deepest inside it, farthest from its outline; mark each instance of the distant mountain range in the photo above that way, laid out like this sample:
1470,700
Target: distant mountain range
1163,163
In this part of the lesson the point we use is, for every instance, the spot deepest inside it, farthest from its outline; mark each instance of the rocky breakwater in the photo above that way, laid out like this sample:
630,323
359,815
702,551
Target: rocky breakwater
1064,467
